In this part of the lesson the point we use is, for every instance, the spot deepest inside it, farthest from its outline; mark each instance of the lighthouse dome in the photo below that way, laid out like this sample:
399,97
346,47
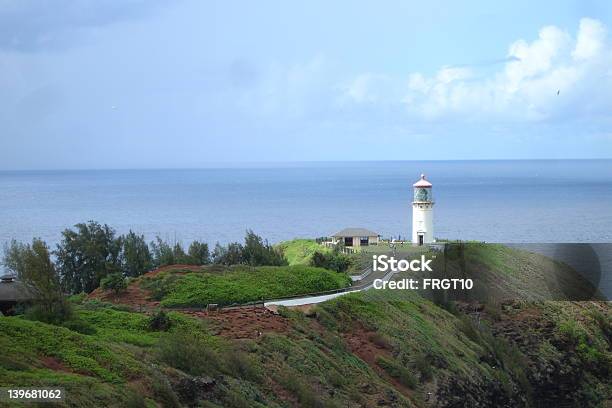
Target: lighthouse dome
422,183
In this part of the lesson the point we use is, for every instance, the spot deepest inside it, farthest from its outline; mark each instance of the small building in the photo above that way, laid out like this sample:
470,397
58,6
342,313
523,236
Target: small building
12,292
356,237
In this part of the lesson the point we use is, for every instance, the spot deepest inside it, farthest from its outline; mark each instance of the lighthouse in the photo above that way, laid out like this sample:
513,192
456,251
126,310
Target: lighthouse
422,212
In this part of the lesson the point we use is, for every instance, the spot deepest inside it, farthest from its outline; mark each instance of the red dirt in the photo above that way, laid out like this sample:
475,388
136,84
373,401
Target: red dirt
135,296
360,342
53,363
243,323
235,323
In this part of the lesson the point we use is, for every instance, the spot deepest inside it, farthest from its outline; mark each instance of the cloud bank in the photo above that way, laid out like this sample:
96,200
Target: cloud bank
546,79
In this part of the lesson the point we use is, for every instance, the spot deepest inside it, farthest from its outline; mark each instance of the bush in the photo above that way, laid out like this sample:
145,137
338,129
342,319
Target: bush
423,364
115,282
334,261
304,392
160,321
188,352
241,365
79,326
163,391
135,400
402,374
380,341
160,285
53,313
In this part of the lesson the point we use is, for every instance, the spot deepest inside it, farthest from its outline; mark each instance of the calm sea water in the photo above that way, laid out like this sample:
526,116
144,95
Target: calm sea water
496,201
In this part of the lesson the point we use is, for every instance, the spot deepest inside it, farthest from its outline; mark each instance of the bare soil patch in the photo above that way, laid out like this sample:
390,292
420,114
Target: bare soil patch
244,322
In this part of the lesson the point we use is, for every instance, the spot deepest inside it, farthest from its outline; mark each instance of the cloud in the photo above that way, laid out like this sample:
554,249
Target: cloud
31,25
523,89
591,39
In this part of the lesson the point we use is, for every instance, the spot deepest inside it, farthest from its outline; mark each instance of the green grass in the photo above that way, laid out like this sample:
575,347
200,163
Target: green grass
243,284
420,344
300,251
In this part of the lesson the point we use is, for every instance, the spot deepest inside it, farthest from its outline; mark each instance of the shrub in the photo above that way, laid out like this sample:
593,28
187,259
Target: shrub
160,321
115,282
467,326
160,285
380,340
135,400
163,391
423,364
304,393
402,374
241,365
604,323
53,313
79,326
188,352
334,261
493,310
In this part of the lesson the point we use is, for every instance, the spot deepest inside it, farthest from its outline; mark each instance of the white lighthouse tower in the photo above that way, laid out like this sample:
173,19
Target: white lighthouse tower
422,213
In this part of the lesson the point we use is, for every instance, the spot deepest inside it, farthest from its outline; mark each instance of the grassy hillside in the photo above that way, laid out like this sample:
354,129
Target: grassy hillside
300,251
240,284
108,367
519,354
374,348
121,363
502,272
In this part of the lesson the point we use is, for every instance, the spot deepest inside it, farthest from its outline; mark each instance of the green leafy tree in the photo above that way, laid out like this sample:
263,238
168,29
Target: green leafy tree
257,252
33,266
167,254
115,282
198,253
180,257
135,255
228,255
162,252
86,255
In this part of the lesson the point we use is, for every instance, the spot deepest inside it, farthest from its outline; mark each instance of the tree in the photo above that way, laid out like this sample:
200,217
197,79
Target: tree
218,254
135,256
180,257
230,255
198,253
86,255
33,266
162,252
257,252
115,282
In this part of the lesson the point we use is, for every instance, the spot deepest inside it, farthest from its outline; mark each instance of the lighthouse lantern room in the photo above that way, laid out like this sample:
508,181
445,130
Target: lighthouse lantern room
422,213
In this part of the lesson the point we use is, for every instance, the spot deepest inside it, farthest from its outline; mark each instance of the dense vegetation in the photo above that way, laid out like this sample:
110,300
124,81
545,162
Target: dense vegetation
92,252
373,348
310,252
363,349
239,284
301,251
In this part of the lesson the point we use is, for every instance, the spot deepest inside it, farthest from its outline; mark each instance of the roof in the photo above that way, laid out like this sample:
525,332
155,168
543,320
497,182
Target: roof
422,183
14,292
355,232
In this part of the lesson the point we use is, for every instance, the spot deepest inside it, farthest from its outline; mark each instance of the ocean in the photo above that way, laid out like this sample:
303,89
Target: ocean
543,201
536,201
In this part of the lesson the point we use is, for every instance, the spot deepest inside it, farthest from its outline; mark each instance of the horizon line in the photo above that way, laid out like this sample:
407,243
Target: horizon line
262,164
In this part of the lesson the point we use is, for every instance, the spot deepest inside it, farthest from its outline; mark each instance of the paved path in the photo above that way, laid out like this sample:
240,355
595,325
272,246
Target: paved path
366,283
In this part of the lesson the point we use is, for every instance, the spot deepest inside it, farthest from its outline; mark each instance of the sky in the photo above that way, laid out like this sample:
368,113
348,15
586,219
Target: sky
180,84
